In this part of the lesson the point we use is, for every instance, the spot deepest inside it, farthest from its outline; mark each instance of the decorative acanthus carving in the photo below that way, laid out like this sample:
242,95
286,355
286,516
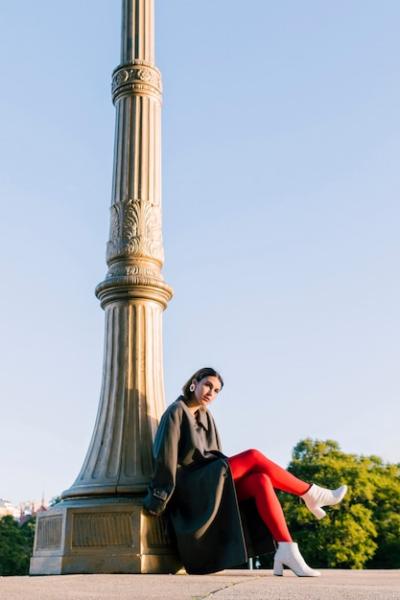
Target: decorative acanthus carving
139,78
135,230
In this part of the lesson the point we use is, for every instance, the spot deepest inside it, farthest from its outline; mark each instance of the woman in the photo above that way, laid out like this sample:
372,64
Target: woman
223,509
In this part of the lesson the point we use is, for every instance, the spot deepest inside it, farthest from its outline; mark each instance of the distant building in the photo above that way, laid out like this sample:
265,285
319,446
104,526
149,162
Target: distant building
30,509
25,510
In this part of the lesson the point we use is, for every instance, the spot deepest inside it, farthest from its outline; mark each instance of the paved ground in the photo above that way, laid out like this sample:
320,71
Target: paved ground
227,585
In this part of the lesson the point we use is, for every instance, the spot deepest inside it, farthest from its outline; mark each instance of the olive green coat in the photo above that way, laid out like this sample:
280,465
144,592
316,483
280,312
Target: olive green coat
192,480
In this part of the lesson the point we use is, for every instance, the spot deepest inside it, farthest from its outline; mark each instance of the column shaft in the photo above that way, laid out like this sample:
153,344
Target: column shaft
115,461
137,41
133,293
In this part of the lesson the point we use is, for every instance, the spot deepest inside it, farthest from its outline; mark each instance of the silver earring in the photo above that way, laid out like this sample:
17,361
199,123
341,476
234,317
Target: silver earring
192,387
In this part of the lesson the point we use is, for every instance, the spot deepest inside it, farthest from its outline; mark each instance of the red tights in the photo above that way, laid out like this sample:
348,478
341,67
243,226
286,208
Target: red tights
255,476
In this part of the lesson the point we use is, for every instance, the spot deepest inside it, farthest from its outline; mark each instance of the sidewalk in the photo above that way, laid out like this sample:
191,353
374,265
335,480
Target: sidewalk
226,585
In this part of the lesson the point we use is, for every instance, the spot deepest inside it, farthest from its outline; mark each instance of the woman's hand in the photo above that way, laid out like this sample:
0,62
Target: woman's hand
154,503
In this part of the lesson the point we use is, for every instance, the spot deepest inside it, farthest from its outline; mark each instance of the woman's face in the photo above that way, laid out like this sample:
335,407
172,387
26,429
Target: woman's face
206,390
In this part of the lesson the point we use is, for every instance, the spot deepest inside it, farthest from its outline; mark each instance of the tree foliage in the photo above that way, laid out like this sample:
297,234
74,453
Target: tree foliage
364,530
16,543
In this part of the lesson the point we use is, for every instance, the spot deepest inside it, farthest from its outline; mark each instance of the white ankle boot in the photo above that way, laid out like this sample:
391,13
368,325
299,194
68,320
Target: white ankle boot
288,555
317,496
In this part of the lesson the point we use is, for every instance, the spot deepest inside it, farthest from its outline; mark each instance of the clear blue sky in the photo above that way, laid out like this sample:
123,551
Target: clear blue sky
281,144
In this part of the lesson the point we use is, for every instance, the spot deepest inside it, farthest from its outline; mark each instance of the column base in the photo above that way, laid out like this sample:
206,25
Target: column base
102,535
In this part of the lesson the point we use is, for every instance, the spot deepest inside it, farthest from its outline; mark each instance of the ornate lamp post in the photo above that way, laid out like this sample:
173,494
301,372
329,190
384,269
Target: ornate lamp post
98,527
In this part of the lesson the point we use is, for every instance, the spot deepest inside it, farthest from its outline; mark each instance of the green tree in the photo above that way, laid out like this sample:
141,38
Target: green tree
386,515
16,543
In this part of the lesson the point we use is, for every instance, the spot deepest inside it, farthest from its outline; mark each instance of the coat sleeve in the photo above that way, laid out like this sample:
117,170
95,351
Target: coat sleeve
165,452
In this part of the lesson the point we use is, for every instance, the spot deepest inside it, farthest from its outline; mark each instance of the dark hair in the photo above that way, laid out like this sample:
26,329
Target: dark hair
198,376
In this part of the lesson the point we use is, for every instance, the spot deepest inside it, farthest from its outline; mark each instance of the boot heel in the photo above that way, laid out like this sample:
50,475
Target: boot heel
278,568
318,512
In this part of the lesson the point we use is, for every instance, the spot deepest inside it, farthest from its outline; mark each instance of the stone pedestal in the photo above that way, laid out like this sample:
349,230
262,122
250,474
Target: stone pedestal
101,535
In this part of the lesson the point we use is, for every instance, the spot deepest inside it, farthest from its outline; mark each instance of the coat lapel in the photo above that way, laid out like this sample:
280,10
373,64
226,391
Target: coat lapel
202,418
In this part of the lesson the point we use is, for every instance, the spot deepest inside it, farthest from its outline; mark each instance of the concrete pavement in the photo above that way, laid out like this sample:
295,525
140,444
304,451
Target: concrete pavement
226,585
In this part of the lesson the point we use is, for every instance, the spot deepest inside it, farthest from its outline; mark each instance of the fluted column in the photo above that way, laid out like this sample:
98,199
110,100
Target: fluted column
133,292
99,526
137,40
